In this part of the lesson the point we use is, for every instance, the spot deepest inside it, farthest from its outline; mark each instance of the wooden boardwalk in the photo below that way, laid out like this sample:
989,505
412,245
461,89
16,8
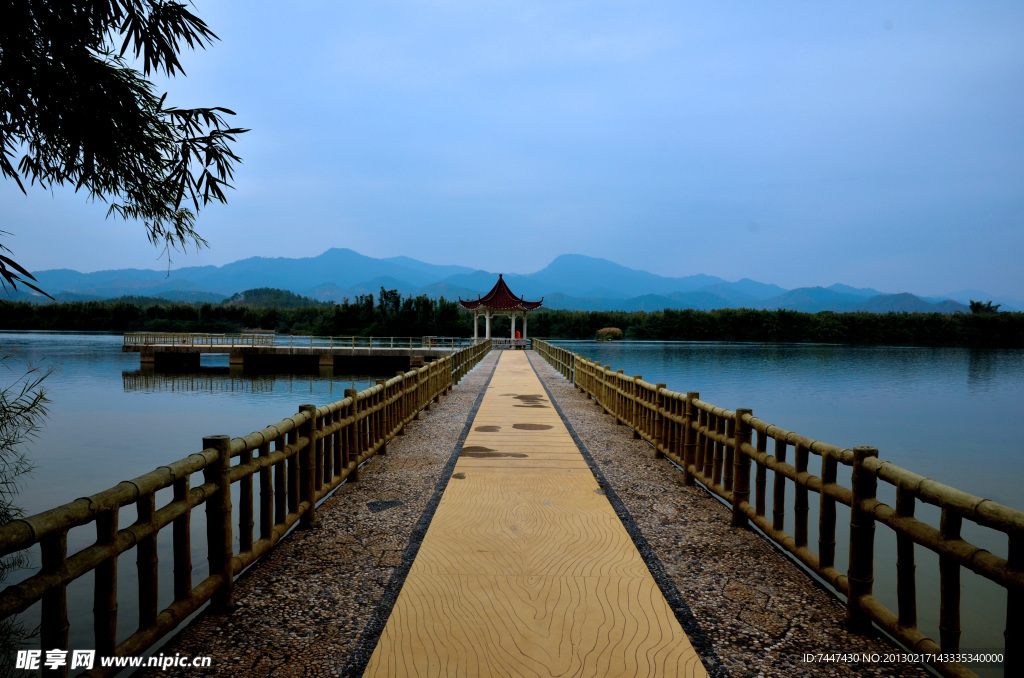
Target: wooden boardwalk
526,570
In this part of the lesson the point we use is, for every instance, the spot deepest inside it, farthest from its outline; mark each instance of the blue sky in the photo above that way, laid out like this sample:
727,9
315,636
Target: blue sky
797,143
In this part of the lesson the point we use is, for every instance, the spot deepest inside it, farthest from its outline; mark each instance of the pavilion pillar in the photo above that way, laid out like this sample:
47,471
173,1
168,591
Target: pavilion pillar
487,315
524,324
512,322
476,326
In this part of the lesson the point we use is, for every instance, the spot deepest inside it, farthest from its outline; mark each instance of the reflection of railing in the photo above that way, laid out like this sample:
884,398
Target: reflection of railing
213,382
280,474
715,446
289,341
509,343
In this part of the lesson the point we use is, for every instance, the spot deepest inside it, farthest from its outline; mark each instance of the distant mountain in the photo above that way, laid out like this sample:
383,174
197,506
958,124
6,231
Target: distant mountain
430,269
570,281
578,275
908,303
967,296
816,299
865,292
812,300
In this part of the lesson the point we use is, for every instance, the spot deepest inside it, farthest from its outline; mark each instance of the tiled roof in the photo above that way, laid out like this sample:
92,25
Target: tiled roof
500,298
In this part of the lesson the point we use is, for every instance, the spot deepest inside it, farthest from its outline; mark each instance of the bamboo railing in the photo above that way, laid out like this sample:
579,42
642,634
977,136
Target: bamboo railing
280,473
192,339
716,447
288,340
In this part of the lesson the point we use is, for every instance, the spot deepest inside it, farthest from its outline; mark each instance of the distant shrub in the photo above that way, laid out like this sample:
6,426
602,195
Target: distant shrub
609,334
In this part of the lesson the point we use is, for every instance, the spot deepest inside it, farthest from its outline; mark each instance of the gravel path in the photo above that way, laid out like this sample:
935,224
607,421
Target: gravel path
316,605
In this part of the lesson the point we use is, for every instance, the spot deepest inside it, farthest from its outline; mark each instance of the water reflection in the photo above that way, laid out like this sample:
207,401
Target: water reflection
237,380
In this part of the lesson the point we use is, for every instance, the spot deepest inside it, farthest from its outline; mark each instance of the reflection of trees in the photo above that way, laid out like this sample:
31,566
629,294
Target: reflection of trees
22,409
981,369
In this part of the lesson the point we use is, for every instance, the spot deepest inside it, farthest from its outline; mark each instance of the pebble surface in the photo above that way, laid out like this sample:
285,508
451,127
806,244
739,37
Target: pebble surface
315,605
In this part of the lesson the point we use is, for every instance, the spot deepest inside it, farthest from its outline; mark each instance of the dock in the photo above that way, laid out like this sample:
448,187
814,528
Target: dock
287,352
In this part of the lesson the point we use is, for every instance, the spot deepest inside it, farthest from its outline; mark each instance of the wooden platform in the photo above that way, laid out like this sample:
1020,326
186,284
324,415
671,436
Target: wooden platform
525,569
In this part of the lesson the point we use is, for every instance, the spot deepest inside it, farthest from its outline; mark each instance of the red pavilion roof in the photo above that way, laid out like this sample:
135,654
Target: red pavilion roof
500,298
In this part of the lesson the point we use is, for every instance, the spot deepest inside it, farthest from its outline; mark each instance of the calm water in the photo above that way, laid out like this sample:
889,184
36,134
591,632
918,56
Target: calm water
949,414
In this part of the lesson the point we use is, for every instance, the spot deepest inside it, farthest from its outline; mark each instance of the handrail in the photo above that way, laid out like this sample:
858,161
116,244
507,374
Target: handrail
288,340
293,464
716,447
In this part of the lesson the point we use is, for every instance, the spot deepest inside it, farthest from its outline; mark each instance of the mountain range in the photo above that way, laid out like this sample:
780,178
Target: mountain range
571,281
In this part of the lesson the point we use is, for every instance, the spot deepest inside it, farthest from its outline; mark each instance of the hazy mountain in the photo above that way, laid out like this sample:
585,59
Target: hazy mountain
578,275
815,299
908,303
431,269
865,292
570,281
967,296
812,300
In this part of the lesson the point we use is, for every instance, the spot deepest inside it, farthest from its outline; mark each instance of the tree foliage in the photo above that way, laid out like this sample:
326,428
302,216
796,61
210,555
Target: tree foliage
78,114
984,307
390,314
272,297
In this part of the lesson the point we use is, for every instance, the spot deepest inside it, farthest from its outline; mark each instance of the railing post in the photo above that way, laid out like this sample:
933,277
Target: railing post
906,583
105,586
633,407
689,438
53,627
862,540
659,420
385,417
354,447
827,514
401,404
219,541
949,584
741,469
1013,664
307,462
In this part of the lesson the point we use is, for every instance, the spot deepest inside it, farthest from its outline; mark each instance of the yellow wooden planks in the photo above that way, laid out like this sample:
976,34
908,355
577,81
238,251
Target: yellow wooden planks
525,569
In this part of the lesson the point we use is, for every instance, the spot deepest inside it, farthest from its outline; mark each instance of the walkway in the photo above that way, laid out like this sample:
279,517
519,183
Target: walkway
526,570
316,605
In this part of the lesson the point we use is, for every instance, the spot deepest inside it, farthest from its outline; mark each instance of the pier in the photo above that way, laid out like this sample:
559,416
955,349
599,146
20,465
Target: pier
525,568
421,499
258,350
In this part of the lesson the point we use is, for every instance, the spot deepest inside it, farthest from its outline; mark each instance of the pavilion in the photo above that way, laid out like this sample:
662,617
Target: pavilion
499,301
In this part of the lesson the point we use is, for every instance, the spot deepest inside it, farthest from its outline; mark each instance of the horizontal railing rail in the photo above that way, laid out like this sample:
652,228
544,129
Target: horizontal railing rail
289,340
717,447
280,473
509,343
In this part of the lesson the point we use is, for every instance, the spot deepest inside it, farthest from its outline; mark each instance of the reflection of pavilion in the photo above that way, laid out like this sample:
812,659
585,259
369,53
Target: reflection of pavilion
499,302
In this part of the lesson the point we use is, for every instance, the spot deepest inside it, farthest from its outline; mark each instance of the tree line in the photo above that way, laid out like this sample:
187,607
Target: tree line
391,314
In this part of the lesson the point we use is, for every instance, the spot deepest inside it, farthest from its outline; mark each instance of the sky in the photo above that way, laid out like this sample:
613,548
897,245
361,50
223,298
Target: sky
876,144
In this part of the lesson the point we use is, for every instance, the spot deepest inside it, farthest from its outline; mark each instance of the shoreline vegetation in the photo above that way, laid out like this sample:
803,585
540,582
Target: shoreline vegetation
390,314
